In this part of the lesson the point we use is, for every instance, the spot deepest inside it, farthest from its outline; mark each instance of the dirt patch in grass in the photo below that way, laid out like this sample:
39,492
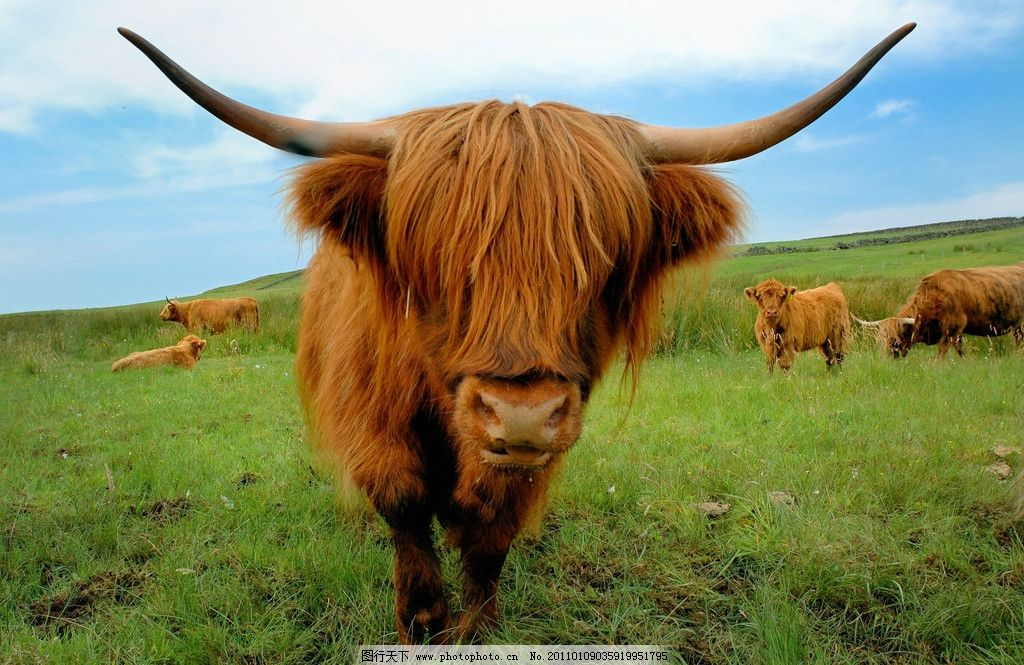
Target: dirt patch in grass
64,610
580,571
247,478
163,510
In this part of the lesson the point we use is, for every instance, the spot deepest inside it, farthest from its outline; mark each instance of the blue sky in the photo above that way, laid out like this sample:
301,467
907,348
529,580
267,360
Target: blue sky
115,189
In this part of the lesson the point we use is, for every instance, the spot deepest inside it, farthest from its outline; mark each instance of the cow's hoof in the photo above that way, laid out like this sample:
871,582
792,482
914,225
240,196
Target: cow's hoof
429,623
471,626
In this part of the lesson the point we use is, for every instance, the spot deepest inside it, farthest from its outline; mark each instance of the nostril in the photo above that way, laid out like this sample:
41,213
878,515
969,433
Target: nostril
483,409
558,415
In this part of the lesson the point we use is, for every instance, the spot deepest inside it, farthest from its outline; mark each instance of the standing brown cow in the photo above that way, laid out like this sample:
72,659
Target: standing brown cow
183,354
949,304
214,315
789,321
477,267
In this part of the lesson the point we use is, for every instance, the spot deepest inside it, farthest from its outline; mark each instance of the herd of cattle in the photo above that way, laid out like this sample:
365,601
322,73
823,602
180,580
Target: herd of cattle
947,305
203,315
477,267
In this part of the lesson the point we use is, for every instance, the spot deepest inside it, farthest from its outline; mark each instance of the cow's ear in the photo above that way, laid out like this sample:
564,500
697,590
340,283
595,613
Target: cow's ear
750,293
694,212
341,197
790,290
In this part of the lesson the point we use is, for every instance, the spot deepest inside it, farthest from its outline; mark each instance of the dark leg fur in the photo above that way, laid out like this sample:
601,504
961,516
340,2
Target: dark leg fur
483,556
421,609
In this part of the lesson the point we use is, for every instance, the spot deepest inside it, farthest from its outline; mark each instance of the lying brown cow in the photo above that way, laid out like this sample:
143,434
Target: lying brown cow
951,303
789,321
214,315
183,354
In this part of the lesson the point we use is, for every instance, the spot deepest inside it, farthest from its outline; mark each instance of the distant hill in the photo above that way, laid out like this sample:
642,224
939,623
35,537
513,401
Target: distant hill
292,281
883,236
274,283
1002,243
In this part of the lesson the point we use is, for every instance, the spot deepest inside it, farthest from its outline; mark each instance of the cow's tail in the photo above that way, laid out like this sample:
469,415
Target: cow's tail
257,328
846,334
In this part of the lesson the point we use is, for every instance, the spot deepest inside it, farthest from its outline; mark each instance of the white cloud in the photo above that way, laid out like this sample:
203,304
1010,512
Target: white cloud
1005,200
362,60
886,108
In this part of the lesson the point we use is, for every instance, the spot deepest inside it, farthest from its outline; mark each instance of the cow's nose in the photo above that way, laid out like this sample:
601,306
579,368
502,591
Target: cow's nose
518,423
771,313
511,422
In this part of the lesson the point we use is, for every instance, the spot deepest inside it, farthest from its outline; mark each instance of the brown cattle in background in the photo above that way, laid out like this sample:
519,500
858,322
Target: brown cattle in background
949,304
478,266
214,315
789,321
183,354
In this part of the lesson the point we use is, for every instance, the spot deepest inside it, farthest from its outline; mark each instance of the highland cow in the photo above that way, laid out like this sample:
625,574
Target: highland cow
949,304
212,315
478,266
183,354
789,321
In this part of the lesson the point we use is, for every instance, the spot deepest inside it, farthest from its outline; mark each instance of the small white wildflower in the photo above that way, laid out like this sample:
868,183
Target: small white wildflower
228,503
611,490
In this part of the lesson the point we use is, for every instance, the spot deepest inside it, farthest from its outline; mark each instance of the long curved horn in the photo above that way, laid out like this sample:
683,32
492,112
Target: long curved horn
714,145
302,137
867,324
167,299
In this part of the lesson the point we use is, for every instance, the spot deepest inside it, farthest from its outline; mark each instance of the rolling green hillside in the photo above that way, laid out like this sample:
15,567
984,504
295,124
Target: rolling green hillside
895,253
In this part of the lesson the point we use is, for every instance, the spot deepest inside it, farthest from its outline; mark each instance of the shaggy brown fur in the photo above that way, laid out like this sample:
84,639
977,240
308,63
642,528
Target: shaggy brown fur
789,321
213,315
183,354
949,304
502,249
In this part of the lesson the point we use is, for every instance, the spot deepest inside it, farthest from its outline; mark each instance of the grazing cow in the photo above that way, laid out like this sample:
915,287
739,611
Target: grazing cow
789,321
949,304
183,354
214,315
477,267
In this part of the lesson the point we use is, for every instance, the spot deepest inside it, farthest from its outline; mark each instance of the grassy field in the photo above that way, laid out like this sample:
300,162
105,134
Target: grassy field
167,516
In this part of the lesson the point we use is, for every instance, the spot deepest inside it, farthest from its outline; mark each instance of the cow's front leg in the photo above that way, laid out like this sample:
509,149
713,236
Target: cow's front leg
421,609
399,496
483,553
786,359
944,344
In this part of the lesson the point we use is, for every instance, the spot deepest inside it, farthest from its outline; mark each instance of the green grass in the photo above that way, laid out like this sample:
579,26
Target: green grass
221,540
